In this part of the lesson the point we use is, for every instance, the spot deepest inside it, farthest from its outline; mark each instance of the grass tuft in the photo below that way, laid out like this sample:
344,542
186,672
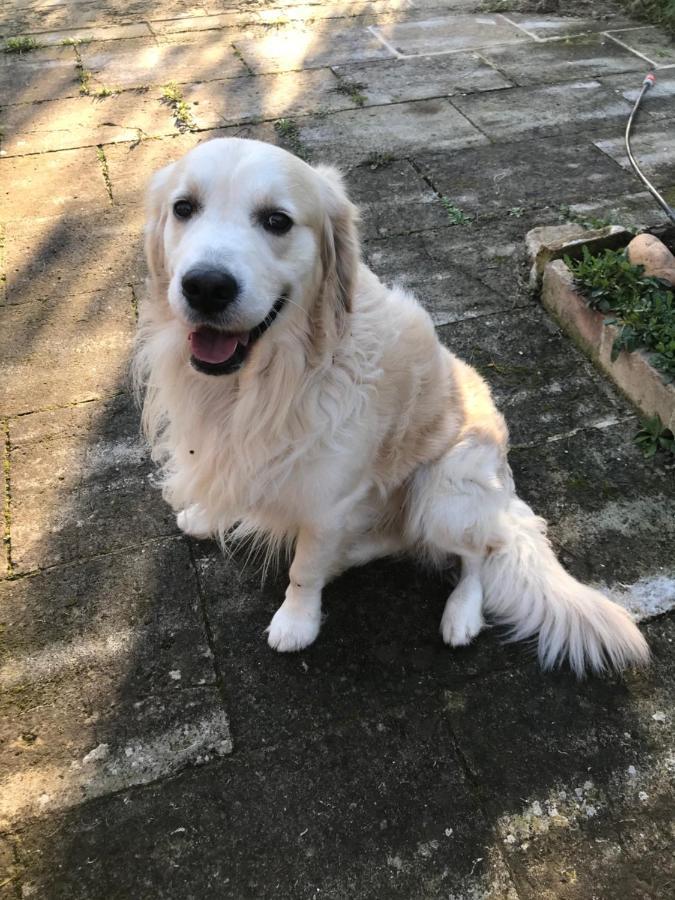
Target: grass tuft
21,45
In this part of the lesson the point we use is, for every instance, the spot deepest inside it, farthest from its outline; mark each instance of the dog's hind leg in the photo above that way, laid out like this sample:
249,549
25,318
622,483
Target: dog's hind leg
463,613
456,508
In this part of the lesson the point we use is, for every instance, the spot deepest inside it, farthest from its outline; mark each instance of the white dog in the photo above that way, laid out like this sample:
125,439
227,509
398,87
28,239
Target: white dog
292,397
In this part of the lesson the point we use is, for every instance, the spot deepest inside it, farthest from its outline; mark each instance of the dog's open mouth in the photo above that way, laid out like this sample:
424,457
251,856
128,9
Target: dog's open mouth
216,352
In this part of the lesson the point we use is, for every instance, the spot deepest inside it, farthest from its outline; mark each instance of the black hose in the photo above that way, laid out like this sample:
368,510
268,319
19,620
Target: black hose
650,79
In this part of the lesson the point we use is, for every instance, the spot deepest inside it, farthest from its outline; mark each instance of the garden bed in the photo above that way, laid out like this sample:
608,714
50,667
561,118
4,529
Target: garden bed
633,372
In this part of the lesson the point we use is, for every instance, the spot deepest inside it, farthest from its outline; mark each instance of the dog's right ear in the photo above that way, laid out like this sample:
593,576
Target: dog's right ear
155,220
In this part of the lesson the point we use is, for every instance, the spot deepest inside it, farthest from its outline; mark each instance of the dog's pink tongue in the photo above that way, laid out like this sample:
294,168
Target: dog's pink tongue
211,346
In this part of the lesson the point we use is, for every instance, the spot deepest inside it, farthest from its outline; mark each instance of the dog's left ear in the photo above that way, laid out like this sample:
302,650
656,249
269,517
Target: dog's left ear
340,252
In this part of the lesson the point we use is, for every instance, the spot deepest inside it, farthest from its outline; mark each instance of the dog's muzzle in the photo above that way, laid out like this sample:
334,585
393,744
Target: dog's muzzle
216,352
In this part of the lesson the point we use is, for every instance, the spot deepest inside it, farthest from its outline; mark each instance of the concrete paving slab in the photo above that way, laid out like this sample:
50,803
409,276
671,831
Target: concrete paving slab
283,50
492,250
393,199
547,26
83,122
80,484
448,292
103,33
506,179
608,511
83,253
218,103
113,678
557,107
366,665
650,42
653,148
542,386
379,831
633,211
152,63
566,60
354,136
397,80
198,25
564,819
46,74
64,350
658,103
51,184
446,34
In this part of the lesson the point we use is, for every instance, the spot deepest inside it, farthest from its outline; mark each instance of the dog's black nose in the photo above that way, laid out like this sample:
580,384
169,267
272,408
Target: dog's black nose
209,291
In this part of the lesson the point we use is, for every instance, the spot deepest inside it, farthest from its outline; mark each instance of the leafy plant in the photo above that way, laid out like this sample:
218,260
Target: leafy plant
657,12
642,307
455,214
653,436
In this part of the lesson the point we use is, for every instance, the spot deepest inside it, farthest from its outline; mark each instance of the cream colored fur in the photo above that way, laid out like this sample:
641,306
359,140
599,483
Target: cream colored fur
350,432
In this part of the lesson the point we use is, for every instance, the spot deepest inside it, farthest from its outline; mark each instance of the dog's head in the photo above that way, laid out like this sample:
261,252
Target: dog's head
242,235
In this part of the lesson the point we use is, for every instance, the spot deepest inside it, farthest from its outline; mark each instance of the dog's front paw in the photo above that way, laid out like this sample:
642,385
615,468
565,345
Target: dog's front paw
193,521
293,627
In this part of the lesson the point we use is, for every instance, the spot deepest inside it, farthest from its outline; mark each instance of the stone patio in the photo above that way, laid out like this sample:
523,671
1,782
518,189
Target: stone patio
151,745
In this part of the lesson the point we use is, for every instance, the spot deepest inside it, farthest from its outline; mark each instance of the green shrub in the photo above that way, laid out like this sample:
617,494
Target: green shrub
643,308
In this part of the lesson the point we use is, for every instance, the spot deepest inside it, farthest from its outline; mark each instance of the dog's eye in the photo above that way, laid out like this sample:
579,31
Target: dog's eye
183,209
277,222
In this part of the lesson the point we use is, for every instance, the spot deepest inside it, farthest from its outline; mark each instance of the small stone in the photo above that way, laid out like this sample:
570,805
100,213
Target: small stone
648,251
536,809
175,674
643,796
632,772
448,832
659,717
98,753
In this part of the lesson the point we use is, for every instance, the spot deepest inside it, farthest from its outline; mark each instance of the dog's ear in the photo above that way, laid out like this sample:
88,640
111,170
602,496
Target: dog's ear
155,220
339,244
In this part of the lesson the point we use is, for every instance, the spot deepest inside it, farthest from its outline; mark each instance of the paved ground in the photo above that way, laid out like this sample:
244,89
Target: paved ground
150,744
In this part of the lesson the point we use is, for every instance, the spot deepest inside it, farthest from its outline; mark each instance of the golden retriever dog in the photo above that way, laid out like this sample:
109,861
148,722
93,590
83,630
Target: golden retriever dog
291,397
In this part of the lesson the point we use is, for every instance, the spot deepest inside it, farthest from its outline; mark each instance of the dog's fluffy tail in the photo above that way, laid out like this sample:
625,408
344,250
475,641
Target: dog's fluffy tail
528,590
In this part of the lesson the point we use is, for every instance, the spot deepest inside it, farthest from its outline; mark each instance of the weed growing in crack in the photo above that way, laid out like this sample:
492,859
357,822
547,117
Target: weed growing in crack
379,160
21,45
353,90
289,132
172,95
455,214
